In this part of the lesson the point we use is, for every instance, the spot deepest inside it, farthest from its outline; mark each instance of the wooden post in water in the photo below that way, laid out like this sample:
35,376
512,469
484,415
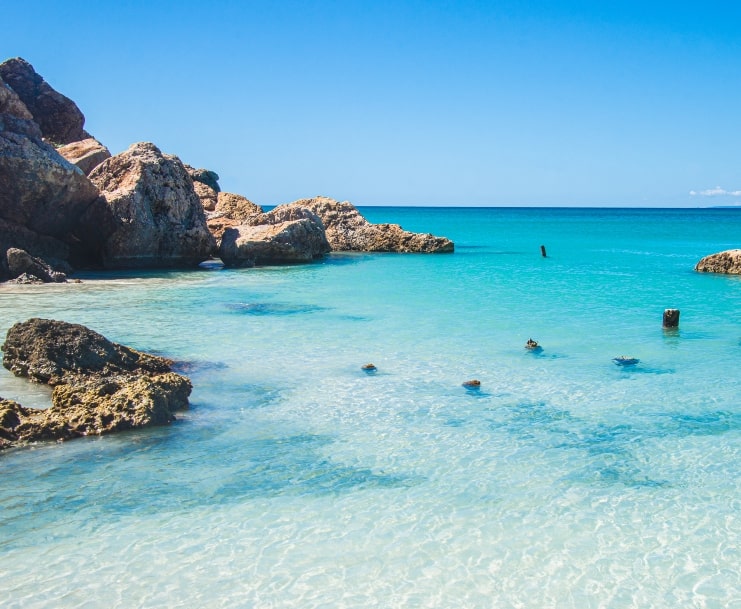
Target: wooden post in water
671,318
542,250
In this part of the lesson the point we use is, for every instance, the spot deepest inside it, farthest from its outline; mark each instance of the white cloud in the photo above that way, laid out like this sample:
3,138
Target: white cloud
716,192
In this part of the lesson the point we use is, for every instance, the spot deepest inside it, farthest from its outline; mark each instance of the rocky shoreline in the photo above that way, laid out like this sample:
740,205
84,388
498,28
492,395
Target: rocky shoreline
66,203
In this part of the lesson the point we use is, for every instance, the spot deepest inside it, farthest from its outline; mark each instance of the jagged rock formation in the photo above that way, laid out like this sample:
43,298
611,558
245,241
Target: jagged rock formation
283,235
99,386
728,262
59,118
159,218
20,262
86,154
232,211
348,230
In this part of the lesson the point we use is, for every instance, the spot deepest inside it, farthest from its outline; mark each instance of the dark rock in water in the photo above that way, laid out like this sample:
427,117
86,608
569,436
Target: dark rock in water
624,360
99,386
274,308
159,218
369,368
60,119
55,352
472,384
20,262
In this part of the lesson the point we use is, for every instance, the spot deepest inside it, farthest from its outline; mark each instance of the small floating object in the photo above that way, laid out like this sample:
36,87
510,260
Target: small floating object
369,368
624,360
532,344
472,384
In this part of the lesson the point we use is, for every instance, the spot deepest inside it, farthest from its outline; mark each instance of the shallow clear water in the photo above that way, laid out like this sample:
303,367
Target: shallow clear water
297,480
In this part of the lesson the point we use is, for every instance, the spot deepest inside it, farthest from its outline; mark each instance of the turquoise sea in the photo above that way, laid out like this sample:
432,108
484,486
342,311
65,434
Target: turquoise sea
296,480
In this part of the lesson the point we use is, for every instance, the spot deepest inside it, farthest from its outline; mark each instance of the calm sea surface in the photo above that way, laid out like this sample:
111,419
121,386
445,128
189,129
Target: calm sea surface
298,481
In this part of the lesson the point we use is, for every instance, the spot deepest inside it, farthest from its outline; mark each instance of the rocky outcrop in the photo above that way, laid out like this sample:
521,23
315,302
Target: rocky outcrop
208,196
728,262
59,118
204,176
160,221
11,104
52,251
20,262
281,236
86,154
99,386
231,211
348,230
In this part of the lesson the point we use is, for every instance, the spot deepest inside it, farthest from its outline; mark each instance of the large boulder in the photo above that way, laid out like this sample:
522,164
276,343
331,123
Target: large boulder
39,189
11,104
728,262
204,176
86,154
160,221
58,116
281,236
99,386
348,230
56,352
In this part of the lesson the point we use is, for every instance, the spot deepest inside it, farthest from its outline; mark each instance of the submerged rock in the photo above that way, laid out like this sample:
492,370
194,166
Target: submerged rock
348,230
159,218
728,262
99,386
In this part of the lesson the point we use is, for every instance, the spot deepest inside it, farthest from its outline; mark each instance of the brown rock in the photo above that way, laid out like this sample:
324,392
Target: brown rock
58,116
39,189
231,211
99,386
160,219
53,251
728,262
207,195
204,176
86,154
348,230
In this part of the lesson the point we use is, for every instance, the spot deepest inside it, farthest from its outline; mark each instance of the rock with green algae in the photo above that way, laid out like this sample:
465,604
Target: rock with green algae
99,386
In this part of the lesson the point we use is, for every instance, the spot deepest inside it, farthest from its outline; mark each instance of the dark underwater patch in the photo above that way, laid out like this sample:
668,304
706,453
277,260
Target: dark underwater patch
273,308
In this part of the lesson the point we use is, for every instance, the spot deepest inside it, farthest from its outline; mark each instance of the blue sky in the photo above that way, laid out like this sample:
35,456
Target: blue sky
411,103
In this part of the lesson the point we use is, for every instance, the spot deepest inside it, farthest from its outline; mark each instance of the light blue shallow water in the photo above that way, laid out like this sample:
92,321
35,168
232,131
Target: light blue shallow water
296,480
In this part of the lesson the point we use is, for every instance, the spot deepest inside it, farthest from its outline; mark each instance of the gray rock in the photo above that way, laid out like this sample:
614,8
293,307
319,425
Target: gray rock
20,262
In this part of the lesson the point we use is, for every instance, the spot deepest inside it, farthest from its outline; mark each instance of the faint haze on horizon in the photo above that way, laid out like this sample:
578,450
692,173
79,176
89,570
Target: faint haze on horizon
470,103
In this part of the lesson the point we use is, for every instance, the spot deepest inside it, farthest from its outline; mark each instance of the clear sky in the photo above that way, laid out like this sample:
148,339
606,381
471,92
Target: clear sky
591,103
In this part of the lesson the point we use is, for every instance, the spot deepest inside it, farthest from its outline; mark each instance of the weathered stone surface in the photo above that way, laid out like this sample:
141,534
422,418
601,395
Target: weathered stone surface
204,176
20,262
232,210
300,240
207,195
728,262
53,251
160,219
348,230
86,154
58,116
39,189
99,386
11,104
